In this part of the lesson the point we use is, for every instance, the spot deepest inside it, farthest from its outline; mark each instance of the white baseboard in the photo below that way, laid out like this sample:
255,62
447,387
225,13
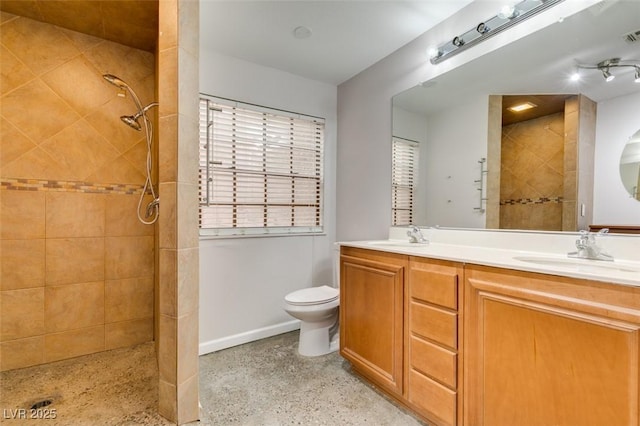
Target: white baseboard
246,337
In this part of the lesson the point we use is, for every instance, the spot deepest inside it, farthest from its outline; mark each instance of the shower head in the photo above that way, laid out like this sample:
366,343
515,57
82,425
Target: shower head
131,121
116,81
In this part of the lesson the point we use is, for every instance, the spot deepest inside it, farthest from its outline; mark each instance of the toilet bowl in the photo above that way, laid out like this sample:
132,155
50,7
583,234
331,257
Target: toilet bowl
317,310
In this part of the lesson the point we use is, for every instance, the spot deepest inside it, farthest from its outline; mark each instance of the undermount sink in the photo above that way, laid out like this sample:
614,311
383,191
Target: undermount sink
396,243
580,265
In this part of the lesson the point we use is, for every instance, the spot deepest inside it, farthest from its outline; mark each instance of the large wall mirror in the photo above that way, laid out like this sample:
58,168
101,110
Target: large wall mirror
480,166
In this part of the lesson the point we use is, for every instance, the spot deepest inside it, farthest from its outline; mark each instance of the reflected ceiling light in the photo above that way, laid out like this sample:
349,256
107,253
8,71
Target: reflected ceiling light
508,11
457,41
607,75
522,107
605,67
508,16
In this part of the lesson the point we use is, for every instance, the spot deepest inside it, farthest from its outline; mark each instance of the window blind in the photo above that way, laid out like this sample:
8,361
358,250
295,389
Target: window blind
261,170
404,174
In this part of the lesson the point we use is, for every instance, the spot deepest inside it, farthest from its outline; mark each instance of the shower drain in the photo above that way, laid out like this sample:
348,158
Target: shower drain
41,404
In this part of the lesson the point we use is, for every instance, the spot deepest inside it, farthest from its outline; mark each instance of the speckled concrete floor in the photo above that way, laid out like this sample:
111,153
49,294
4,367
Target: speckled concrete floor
268,383
261,383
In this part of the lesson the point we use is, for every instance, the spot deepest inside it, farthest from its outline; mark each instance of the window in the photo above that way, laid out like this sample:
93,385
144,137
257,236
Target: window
261,170
404,175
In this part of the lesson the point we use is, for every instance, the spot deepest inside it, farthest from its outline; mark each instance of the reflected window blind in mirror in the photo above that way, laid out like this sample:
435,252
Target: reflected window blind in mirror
404,174
261,170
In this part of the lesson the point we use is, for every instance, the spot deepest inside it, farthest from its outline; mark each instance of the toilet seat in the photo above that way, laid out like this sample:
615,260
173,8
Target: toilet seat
313,296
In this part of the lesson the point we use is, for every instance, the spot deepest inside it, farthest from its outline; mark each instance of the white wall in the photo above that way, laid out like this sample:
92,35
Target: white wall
617,121
364,113
451,165
243,281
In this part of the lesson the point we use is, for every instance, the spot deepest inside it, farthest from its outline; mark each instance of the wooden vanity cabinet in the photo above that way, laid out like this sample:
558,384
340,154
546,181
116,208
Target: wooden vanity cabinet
548,350
433,341
371,315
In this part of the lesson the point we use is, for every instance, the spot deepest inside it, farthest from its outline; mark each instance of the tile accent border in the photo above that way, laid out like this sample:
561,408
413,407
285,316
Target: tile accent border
541,200
68,186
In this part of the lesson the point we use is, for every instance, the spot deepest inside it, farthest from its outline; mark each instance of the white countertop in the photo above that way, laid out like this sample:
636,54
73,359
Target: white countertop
552,262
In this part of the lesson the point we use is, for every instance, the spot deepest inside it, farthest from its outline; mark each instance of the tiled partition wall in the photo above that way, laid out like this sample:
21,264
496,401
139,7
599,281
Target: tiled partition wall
178,82
77,267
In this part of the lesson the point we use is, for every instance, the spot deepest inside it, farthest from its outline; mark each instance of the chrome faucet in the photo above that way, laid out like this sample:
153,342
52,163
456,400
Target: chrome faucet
415,235
588,248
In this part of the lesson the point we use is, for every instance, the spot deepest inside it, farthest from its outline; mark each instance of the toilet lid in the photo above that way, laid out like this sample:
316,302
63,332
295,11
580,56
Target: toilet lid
313,295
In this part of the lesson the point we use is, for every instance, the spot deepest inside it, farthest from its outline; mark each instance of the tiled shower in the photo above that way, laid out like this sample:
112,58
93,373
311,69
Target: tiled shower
77,271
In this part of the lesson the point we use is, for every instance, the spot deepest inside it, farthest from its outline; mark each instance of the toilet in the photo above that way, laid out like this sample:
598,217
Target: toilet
317,310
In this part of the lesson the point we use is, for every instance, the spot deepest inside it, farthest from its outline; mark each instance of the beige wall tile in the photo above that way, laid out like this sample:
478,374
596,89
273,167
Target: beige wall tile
168,155
168,81
168,216
36,99
22,215
167,400
21,264
188,281
21,313
106,120
168,282
42,47
128,299
167,354
119,170
187,346
74,260
121,217
131,65
80,150
13,73
129,257
69,344
128,333
75,214
168,25
73,306
189,27
21,353
187,216
13,144
36,164
188,400
79,84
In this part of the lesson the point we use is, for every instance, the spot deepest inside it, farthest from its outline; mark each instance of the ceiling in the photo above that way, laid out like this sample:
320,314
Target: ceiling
132,23
346,36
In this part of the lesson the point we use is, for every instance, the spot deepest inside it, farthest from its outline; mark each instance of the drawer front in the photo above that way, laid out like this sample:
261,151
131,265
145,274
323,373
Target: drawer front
434,361
433,398
440,288
435,324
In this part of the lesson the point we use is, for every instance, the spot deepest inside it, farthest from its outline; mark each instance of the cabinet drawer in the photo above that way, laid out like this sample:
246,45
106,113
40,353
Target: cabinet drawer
437,400
436,362
433,323
440,288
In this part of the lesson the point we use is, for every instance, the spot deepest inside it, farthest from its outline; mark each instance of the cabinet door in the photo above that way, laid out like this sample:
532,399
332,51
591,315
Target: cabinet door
538,352
371,315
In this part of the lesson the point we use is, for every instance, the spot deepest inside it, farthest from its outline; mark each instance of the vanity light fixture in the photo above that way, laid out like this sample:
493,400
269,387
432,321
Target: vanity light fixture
508,16
522,107
605,67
